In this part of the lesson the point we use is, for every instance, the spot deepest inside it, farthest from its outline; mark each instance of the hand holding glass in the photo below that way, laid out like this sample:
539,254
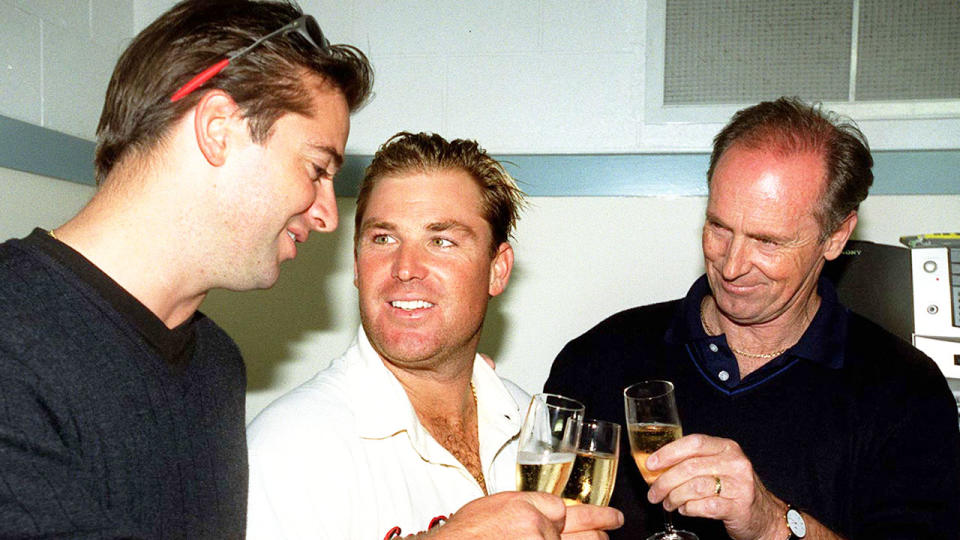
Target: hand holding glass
548,443
595,467
652,422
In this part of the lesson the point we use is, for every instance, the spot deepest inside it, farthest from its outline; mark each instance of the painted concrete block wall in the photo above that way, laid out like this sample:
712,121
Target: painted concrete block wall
520,77
29,200
535,76
56,57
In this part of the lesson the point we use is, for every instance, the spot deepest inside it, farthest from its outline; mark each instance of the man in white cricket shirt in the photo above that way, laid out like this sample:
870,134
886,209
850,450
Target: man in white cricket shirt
410,425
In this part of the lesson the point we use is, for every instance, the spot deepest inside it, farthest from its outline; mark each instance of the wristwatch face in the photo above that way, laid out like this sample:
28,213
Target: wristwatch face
796,524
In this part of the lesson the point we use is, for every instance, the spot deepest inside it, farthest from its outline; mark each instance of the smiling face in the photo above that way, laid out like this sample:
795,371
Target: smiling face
424,269
761,238
283,190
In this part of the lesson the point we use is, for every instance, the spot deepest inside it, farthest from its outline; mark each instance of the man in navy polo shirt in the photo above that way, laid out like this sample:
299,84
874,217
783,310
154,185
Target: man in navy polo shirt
806,420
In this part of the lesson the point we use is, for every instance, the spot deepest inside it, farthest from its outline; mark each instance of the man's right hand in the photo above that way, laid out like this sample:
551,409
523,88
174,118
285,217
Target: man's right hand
528,515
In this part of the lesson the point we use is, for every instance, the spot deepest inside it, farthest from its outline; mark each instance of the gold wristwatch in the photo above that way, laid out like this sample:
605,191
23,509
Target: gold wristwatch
796,524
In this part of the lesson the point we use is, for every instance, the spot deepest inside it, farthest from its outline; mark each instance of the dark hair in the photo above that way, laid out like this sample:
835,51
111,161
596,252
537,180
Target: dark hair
193,35
790,126
501,199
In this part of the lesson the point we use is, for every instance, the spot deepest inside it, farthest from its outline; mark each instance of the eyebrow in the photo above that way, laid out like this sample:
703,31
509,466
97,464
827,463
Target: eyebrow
438,226
452,225
712,218
369,224
337,156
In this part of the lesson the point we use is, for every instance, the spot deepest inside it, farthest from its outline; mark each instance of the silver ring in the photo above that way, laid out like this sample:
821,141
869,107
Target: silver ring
719,486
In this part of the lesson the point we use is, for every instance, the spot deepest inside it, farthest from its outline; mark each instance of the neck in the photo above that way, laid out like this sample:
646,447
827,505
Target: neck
125,234
446,406
757,344
435,394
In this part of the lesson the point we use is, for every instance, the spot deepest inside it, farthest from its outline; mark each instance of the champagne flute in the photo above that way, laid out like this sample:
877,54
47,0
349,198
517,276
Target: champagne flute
652,422
548,443
595,467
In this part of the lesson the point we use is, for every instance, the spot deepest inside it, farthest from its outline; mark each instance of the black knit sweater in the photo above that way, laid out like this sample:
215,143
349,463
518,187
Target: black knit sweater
103,434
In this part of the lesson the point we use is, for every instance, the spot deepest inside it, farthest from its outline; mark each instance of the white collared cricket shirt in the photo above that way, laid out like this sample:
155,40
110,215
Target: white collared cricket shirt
344,455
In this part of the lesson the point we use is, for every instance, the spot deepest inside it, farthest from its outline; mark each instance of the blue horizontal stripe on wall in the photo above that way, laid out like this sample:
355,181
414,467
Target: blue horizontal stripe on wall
30,148
38,150
915,172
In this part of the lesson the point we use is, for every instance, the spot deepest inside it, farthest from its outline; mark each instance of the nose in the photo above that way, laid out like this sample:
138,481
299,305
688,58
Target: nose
408,263
322,214
736,261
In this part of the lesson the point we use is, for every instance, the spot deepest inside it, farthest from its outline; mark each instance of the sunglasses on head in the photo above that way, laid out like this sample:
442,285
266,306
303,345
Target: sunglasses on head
305,25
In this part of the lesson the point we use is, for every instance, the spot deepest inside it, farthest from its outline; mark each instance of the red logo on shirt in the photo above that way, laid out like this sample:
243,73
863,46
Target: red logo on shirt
395,532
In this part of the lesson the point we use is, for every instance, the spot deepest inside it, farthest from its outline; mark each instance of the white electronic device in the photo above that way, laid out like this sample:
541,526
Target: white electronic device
935,266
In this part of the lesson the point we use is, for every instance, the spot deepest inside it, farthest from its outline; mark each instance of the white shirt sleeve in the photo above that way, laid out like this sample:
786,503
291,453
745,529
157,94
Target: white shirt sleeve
300,485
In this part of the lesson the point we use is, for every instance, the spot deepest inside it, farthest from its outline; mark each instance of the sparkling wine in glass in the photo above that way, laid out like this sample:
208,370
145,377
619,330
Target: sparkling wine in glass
652,422
595,467
548,443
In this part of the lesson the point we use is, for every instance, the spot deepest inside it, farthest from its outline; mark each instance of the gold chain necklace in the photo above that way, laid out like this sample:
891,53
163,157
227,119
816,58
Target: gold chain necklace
712,332
479,476
50,232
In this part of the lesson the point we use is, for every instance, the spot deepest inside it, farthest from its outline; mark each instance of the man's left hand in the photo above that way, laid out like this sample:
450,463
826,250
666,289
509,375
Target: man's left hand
711,477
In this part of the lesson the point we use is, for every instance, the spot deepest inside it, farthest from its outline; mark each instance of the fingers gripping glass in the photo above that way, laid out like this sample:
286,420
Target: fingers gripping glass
653,422
305,25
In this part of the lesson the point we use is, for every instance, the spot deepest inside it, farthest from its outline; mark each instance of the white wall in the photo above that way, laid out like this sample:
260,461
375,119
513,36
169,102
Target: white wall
56,57
528,77
28,201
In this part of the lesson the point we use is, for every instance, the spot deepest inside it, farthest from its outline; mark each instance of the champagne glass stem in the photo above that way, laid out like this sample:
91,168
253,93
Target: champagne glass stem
668,521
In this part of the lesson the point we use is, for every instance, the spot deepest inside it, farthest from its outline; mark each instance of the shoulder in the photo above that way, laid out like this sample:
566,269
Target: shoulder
598,360
878,354
216,341
652,319
304,456
26,284
44,322
312,414
13,252
624,331
884,367
518,394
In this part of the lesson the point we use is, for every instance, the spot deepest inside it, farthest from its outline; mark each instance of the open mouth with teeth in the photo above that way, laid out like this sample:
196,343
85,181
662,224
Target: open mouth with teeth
292,236
410,305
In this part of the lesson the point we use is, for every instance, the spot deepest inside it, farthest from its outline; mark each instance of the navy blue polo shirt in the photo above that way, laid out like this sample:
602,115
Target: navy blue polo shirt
851,424
822,343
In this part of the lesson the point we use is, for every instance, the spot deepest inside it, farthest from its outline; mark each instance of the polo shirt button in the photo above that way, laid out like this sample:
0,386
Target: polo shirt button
713,347
723,375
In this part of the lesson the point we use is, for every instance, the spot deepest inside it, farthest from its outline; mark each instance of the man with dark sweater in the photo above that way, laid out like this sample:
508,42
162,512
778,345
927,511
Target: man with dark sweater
804,420
122,406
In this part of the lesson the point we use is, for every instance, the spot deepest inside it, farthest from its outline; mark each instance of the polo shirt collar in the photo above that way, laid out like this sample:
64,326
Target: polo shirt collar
823,342
383,409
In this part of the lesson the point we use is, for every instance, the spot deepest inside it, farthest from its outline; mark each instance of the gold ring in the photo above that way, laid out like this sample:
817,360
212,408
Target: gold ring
719,486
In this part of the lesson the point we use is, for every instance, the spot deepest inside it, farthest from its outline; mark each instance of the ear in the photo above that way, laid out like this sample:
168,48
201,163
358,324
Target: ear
500,268
836,241
356,276
213,119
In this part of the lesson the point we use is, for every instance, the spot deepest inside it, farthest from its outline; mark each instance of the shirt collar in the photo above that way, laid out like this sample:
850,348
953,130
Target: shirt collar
823,342
381,403
685,326
384,410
